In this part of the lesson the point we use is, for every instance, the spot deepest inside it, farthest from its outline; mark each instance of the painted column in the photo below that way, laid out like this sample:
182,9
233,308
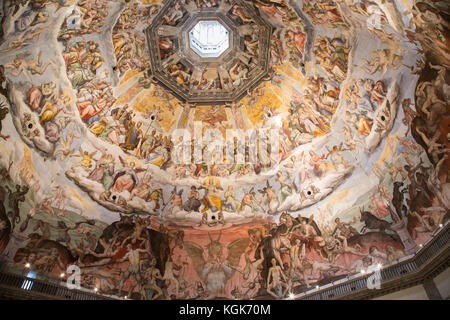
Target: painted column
13,245
405,237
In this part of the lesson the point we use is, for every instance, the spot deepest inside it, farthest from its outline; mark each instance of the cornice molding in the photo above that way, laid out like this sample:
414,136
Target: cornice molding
426,263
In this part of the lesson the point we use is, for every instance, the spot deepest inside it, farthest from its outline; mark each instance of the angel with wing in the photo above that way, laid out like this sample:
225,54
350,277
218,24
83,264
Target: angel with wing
65,149
86,158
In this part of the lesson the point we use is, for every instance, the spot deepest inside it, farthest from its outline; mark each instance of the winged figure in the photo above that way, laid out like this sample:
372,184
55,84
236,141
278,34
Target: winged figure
214,269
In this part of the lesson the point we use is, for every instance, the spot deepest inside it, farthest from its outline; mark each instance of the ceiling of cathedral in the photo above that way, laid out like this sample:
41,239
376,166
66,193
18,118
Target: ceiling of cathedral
249,135
181,64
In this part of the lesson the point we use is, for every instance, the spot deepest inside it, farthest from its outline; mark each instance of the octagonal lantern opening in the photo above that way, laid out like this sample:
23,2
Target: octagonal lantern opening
209,38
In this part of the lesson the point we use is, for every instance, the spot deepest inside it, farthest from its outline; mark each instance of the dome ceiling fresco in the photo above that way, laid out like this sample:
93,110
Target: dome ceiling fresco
312,143
183,67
